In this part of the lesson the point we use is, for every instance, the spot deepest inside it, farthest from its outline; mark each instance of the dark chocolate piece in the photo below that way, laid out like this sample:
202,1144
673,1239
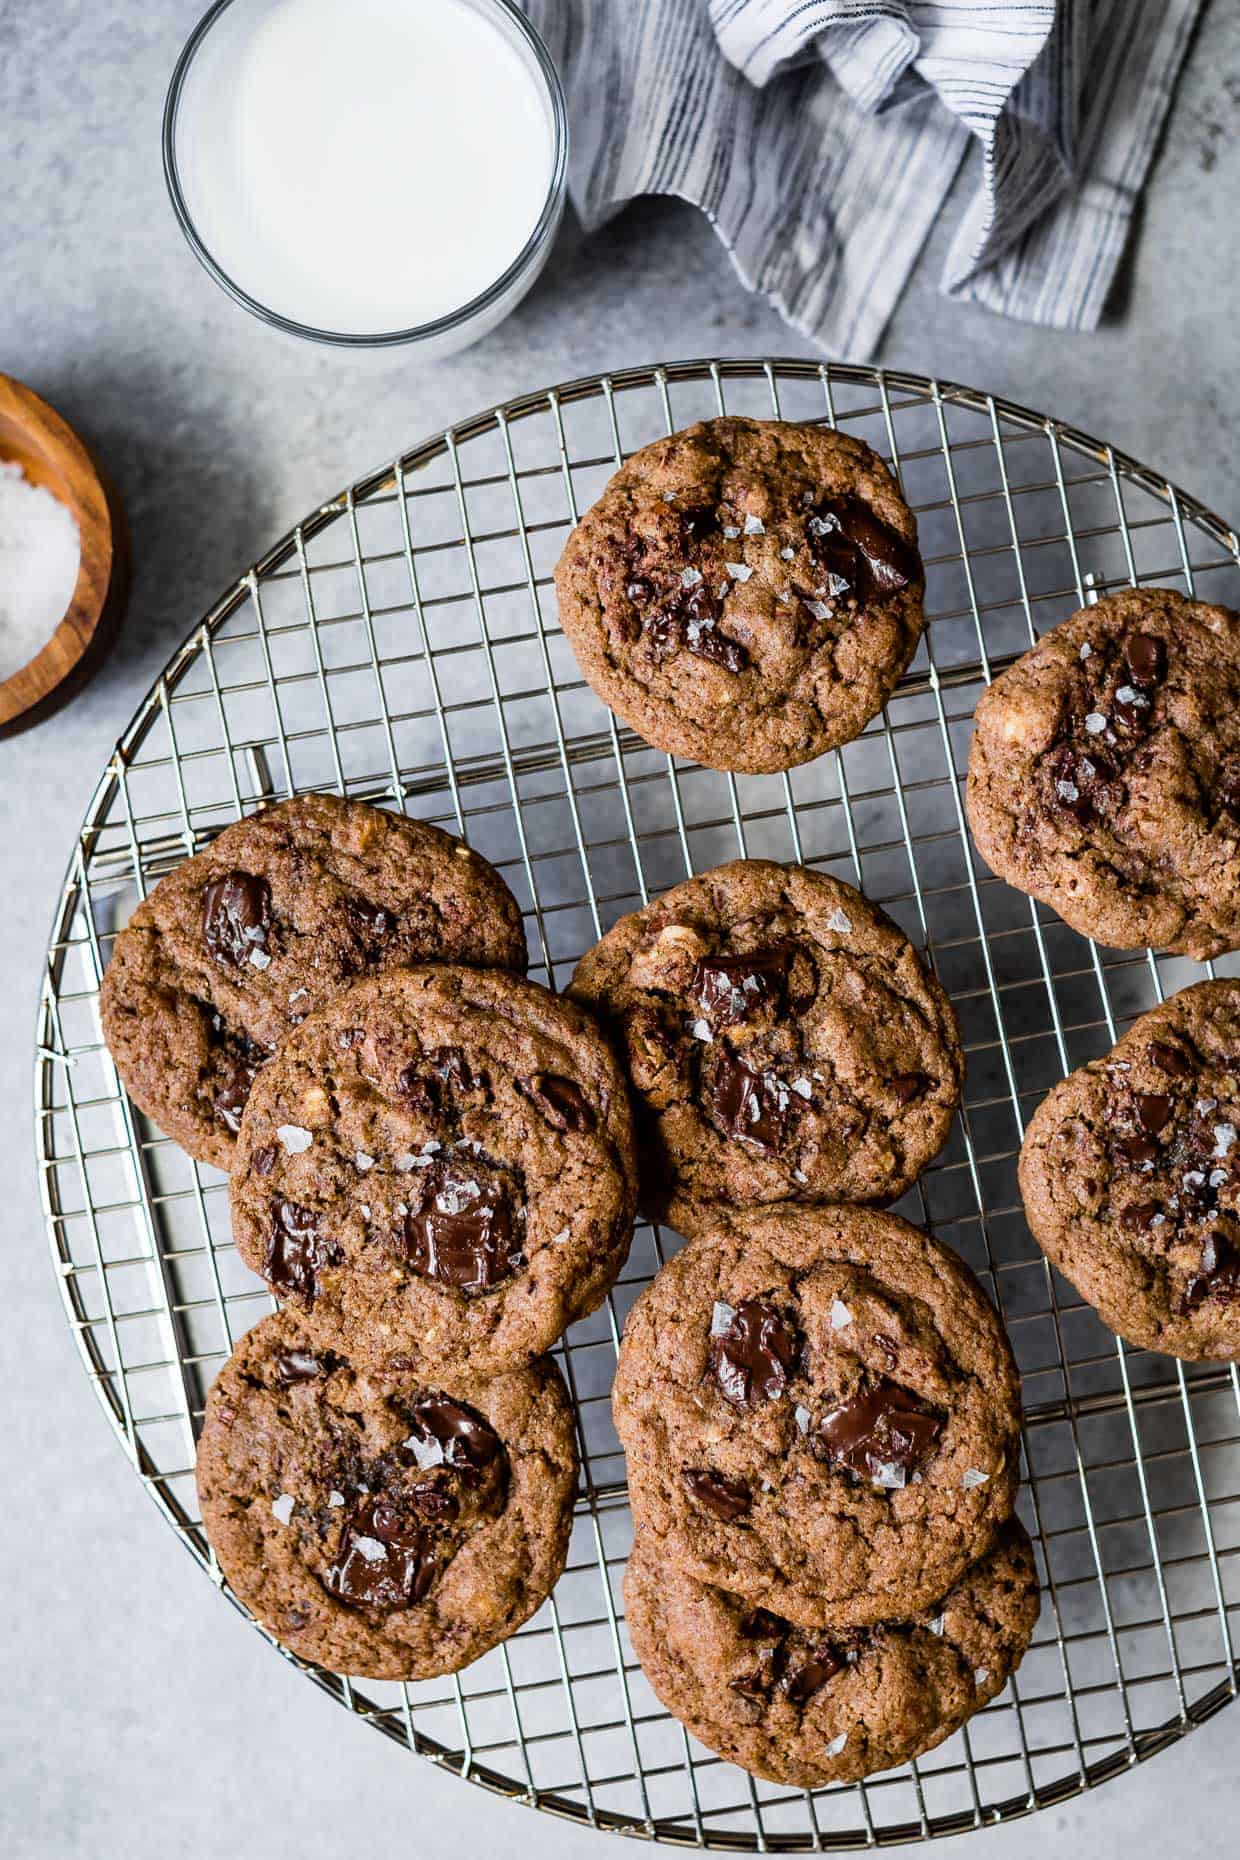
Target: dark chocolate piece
297,1250
884,1434
728,1499
463,1233
754,1359
236,918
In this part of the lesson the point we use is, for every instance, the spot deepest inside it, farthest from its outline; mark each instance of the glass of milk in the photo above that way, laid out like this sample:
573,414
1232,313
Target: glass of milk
368,173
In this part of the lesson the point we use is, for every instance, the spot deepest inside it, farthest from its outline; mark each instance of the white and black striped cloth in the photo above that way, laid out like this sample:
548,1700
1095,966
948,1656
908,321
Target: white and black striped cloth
821,138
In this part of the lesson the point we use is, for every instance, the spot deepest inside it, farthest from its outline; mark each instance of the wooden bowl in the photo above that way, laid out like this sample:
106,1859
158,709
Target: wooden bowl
50,453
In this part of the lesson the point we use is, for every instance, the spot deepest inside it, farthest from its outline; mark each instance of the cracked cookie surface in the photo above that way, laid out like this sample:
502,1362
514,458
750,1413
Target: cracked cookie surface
805,1706
820,1412
1130,1174
384,1524
1104,776
242,942
439,1166
783,1039
745,592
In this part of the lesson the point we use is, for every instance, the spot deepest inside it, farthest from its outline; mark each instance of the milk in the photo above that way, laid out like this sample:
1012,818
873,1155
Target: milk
363,167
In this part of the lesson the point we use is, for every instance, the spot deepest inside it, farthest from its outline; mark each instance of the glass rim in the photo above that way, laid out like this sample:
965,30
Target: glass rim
452,320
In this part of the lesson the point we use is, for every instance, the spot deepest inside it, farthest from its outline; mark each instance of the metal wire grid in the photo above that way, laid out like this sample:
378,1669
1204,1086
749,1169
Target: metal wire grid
401,645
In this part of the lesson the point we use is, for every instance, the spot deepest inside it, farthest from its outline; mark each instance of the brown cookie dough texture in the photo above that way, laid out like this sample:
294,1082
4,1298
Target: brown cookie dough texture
820,1413
745,592
1130,1173
242,942
783,1039
808,1707
1104,777
384,1524
439,1165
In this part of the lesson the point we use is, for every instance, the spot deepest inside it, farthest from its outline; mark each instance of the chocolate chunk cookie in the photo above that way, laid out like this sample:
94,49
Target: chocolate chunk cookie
820,1413
440,1166
266,925
806,1706
1130,1173
746,592
386,1525
1104,777
784,1041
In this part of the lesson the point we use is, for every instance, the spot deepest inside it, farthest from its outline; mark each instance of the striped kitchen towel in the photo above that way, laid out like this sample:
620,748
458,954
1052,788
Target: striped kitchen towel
822,136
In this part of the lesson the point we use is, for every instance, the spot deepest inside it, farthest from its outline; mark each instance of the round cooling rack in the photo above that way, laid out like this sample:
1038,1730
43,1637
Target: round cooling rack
401,645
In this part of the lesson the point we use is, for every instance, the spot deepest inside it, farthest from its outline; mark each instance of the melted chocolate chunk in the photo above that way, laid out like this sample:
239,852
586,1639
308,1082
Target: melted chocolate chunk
688,619
750,1106
297,1250
857,553
1153,1111
1084,783
754,1359
1217,1275
464,1233
236,918
801,1682
1140,1216
1169,1059
1146,656
761,1624
728,1499
906,1086
302,1366
561,1103
758,1683
371,924
243,1061
466,1442
264,1160
385,1561
1137,1149
432,1081
728,989
884,1434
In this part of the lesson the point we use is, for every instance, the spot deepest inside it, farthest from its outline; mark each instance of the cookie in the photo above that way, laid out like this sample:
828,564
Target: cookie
240,943
783,1040
439,1165
820,1413
386,1525
1104,777
745,592
1130,1174
807,1707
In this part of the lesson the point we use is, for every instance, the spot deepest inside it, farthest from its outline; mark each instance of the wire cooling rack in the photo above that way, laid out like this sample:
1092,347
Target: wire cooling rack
401,645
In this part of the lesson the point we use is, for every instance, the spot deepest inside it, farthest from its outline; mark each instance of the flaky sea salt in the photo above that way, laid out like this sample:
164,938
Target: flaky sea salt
282,1507
738,571
426,1450
801,1416
974,1476
841,1316
839,922
690,577
837,1744
754,526
39,555
295,1140
721,1317
1095,723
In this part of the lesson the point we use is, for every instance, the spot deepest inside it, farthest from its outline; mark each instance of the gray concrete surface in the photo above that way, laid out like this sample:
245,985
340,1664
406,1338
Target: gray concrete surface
138,1714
